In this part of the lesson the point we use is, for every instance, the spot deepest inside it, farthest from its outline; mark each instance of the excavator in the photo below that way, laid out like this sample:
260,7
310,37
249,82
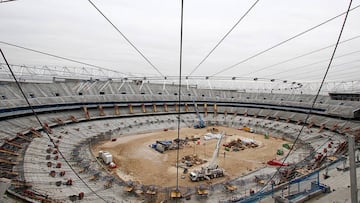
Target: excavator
212,170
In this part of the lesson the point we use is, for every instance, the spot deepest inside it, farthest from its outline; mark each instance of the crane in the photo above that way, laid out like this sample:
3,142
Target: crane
212,170
201,123
213,162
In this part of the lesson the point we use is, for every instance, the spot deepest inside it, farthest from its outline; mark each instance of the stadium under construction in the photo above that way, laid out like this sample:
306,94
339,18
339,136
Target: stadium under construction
107,124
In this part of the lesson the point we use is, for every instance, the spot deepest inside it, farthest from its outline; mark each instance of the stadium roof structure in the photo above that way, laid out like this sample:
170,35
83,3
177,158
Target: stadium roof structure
45,74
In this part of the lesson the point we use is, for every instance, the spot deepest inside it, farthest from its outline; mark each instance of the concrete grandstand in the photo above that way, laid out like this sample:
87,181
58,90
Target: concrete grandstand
78,113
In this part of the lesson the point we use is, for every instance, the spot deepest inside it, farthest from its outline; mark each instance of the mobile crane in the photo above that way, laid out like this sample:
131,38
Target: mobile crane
212,170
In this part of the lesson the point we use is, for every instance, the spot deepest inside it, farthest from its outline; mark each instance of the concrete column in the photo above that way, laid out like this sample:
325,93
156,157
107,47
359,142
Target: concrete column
353,182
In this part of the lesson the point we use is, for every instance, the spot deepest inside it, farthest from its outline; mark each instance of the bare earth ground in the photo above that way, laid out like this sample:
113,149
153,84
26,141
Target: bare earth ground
138,162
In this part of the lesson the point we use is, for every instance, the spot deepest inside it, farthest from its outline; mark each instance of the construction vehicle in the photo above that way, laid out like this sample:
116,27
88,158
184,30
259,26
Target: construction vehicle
130,186
280,152
287,146
175,194
164,145
202,191
247,129
229,187
275,162
259,180
201,123
212,170
106,157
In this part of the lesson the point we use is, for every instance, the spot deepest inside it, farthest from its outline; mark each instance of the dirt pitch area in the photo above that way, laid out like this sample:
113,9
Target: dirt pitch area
138,162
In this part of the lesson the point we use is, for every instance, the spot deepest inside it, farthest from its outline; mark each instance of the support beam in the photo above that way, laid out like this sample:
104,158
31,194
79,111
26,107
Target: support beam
8,162
10,173
346,130
165,107
143,108
9,152
22,136
13,144
215,109
101,110
117,111
131,108
19,182
205,109
35,133
353,180
322,126
334,127
59,121
47,128
235,114
87,114
73,119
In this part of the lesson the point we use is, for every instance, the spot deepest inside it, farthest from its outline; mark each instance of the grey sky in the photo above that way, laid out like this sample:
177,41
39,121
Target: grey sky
76,30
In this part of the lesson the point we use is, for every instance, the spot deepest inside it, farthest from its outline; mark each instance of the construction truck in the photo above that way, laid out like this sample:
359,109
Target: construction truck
107,159
230,187
105,156
247,129
203,191
212,170
163,145
201,123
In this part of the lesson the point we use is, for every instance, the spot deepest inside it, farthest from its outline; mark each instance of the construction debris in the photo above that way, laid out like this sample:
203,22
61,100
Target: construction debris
240,144
191,160
108,184
164,145
209,136
151,190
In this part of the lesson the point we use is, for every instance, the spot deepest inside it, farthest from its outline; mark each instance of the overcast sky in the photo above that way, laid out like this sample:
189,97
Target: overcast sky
74,29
